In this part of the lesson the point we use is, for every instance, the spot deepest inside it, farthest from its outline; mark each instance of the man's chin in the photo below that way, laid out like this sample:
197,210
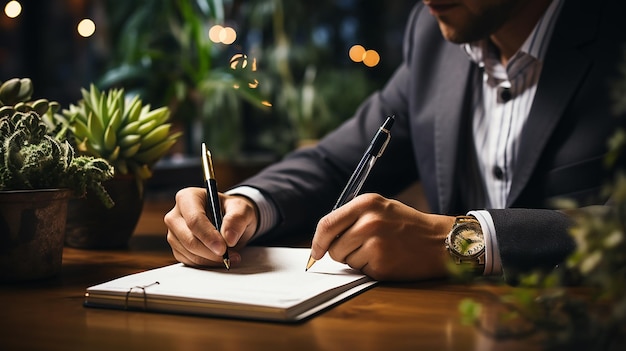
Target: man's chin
450,34
456,35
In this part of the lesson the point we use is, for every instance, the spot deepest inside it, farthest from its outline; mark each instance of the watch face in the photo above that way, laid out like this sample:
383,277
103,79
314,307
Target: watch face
467,240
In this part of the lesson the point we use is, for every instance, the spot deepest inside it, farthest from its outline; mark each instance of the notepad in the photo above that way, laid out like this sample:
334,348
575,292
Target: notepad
270,284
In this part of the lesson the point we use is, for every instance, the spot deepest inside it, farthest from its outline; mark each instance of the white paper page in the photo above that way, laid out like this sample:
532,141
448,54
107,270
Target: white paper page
273,277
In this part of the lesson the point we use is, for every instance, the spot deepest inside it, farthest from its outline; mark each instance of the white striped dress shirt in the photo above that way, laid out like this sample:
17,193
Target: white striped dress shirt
502,98
501,101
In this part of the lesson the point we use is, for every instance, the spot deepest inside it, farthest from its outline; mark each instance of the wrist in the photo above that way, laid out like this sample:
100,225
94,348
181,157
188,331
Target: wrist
493,263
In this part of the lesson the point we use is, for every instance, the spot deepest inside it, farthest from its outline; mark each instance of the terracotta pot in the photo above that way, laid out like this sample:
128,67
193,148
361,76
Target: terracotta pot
32,226
90,225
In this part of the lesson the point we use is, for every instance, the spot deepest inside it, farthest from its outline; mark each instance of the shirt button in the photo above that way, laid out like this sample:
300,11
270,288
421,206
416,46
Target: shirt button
505,94
498,173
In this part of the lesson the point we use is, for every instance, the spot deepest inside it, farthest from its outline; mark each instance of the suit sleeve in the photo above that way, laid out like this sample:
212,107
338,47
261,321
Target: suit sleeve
531,239
305,185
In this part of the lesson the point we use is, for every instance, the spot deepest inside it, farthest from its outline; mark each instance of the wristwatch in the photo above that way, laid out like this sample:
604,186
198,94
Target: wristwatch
466,243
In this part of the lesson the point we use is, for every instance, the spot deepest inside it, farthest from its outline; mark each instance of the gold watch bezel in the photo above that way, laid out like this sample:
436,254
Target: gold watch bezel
463,225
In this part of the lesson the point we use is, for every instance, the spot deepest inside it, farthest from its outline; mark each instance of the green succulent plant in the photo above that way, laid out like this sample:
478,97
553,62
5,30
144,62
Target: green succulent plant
122,130
15,96
34,149
30,158
16,90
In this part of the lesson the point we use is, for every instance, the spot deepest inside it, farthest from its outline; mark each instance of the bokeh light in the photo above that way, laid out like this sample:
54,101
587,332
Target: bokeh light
253,65
356,53
214,33
228,35
238,61
370,58
224,35
86,28
12,9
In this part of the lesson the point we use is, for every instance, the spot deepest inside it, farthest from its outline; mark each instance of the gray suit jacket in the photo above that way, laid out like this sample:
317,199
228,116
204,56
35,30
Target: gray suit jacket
561,151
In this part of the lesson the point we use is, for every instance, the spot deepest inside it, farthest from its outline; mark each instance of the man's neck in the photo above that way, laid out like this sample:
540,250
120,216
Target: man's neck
511,36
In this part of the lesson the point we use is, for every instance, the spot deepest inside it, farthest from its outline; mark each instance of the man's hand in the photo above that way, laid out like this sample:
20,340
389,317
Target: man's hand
384,239
194,239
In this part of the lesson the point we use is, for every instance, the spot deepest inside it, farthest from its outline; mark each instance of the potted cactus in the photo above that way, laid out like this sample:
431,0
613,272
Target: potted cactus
39,172
130,136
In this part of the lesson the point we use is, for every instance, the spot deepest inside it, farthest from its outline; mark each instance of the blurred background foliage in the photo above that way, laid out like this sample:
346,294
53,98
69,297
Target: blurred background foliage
289,63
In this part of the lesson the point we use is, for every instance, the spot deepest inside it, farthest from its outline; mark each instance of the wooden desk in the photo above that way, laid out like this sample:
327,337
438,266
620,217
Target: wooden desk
49,315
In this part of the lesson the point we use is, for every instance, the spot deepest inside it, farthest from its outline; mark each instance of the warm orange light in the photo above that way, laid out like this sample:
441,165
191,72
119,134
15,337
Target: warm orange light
12,9
224,35
357,53
86,28
214,33
238,61
266,103
371,58
254,84
228,35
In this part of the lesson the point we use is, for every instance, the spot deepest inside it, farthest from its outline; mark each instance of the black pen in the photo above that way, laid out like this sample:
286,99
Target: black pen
214,211
374,151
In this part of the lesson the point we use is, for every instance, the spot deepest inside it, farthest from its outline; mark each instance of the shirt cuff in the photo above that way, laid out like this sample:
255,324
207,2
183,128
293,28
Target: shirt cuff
493,263
268,214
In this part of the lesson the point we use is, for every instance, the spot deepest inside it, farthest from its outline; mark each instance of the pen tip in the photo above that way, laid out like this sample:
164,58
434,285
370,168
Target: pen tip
227,263
310,263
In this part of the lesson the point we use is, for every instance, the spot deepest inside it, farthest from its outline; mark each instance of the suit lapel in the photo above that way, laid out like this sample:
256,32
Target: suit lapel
564,69
449,109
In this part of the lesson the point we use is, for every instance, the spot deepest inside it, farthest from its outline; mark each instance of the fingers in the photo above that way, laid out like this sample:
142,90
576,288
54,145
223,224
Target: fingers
191,235
334,225
329,229
240,220
385,239
195,254
194,239
185,256
370,258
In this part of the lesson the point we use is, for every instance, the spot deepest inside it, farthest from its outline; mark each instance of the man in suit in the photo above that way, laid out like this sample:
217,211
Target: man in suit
501,107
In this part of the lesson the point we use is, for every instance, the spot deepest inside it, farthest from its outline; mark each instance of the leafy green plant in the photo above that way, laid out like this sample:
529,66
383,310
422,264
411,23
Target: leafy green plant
161,51
310,95
35,152
160,48
128,134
